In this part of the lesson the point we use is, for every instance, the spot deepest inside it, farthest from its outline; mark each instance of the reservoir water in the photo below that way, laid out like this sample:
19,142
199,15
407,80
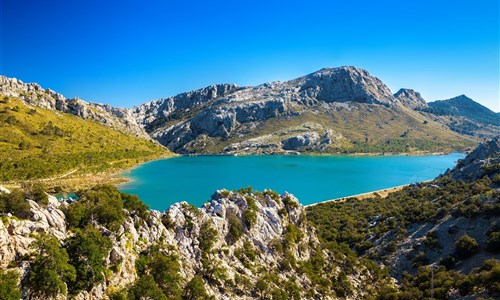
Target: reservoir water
311,179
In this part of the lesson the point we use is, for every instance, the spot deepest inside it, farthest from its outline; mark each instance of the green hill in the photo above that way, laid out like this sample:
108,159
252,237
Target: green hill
38,143
466,107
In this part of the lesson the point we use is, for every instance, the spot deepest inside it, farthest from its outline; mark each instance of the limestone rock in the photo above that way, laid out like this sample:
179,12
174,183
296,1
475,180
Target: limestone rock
411,99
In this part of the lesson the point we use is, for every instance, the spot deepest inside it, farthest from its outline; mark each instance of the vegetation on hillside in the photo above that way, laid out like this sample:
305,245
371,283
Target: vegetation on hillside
39,143
375,228
363,130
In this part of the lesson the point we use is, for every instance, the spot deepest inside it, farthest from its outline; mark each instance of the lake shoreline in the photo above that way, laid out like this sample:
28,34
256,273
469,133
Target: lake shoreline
310,178
382,193
123,180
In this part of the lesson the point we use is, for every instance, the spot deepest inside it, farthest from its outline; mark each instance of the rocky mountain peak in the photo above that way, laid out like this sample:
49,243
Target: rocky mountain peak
410,98
345,84
151,111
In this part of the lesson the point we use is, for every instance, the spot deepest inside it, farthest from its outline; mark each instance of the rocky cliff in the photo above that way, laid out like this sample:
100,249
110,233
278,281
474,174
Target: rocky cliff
236,240
483,161
331,110
411,98
32,93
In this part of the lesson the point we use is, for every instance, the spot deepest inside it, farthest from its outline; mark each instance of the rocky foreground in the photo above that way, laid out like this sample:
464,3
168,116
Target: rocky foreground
237,240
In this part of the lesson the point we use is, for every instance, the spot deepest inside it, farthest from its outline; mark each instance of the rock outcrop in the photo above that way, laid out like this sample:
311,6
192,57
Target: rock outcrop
411,99
228,118
33,94
483,161
275,220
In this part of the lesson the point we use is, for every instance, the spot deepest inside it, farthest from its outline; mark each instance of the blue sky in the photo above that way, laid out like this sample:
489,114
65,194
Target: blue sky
128,52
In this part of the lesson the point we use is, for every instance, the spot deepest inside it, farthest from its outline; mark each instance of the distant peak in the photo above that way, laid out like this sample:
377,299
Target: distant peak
410,98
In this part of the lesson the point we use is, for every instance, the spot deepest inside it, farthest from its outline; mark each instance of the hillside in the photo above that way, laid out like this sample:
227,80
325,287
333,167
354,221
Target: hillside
465,107
33,94
336,110
448,225
38,143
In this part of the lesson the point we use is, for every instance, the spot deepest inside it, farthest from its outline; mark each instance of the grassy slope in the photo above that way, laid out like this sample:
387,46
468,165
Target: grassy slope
386,130
32,148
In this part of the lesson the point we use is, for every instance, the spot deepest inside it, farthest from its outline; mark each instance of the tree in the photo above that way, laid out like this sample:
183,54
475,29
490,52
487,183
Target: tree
134,204
146,288
9,289
14,203
235,229
195,289
88,249
164,269
50,269
466,246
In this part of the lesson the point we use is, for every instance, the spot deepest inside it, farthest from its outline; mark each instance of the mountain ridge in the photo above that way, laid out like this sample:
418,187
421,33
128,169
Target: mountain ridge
332,110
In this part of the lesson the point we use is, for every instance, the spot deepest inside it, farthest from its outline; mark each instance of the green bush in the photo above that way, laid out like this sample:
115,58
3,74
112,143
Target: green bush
235,229
250,218
9,289
164,269
14,203
50,269
135,205
466,246
206,237
146,288
494,241
195,289
88,250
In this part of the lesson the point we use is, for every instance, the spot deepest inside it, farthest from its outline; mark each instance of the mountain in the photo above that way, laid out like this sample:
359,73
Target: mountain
333,110
466,107
411,98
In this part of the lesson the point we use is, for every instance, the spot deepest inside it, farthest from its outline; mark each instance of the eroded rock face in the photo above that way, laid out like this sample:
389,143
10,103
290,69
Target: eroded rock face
16,235
33,94
411,99
478,163
189,122
345,84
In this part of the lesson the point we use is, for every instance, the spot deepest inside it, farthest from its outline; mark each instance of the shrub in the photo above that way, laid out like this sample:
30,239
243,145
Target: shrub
494,241
195,289
37,193
164,269
207,236
250,218
9,289
466,246
235,229
133,204
50,269
14,203
87,249
146,288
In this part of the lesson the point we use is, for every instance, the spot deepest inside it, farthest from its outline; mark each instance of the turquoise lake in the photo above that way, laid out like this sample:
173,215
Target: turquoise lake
311,179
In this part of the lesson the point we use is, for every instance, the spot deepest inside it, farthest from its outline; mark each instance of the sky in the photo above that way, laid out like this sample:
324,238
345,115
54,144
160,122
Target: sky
128,52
